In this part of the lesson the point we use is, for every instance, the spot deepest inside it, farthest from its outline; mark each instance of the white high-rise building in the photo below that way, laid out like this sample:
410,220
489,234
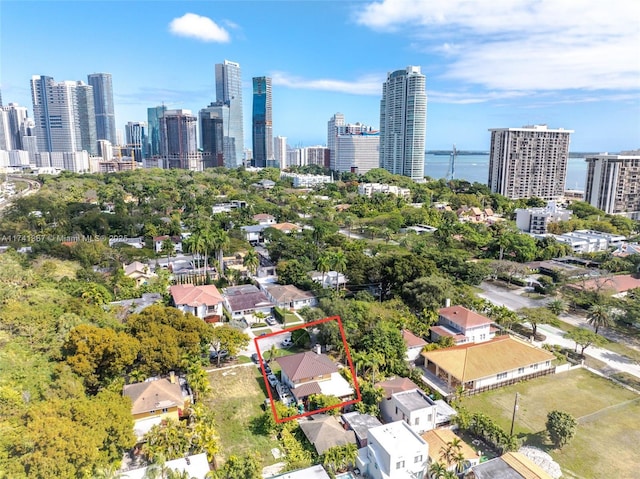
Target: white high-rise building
613,183
229,92
334,127
280,151
357,153
55,114
403,123
529,162
14,122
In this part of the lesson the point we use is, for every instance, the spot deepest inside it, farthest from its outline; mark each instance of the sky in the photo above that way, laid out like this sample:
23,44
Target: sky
506,63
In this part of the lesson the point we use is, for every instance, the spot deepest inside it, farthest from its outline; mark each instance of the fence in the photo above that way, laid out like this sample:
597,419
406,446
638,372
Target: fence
509,382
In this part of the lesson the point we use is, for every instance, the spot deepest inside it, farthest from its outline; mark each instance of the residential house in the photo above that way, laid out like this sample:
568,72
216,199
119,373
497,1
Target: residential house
137,243
245,300
228,207
290,296
512,465
312,472
204,301
158,241
195,467
617,285
414,345
325,432
413,406
286,228
125,307
154,401
254,234
463,325
264,184
478,366
626,249
369,189
360,425
264,219
394,451
140,272
312,373
330,279
439,439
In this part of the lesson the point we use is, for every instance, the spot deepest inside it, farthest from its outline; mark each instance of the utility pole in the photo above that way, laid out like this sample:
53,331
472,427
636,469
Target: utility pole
513,418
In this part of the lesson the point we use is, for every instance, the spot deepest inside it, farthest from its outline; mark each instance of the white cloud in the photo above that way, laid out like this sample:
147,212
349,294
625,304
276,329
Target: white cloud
367,85
523,44
199,27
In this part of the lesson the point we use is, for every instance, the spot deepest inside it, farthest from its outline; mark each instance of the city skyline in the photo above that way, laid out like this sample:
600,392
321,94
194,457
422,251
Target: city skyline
526,63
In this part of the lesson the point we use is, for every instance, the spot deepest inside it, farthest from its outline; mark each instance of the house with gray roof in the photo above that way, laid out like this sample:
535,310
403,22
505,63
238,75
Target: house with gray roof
325,432
360,425
245,300
290,297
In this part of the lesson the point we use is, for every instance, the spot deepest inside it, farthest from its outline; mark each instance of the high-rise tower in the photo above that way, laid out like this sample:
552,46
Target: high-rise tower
613,183
212,121
179,140
229,92
528,162
86,118
103,101
403,123
262,131
153,121
55,114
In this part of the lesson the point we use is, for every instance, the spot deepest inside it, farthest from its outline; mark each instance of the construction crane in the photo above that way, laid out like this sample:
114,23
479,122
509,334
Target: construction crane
452,164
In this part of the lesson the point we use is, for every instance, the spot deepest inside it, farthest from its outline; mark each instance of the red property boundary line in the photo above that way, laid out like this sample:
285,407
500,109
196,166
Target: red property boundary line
349,361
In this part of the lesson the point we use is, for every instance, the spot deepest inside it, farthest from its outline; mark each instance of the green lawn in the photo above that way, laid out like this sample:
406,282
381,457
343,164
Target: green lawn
608,416
237,398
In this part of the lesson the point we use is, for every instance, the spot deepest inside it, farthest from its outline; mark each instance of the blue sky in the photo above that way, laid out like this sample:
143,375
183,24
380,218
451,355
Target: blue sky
505,63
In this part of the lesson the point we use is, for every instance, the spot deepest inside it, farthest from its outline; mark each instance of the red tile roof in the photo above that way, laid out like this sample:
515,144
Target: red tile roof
195,295
411,340
263,216
463,317
620,283
306,365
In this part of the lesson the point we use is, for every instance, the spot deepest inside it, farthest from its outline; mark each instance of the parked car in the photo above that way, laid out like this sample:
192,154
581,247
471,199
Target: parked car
254,358
270,320
287,342
273,380
214,354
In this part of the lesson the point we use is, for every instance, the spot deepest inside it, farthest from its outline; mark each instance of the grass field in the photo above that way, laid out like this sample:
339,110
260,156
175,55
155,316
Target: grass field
608,417
237,399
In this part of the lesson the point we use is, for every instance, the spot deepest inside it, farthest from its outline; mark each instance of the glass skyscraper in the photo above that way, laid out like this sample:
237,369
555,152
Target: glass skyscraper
179,140
103,102
262,124
229,92
153,121
212,121
403,123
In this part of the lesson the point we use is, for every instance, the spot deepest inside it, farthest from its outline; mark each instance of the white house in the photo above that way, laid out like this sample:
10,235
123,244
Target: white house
476,366
414,344
394,451
290,297
139,272
176,240
204,301
264,219
413,406
330,279
463,325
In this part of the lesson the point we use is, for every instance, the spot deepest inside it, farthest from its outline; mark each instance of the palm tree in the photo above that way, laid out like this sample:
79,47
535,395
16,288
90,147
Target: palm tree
199,382
108,472
557,306
220,242
323,264
599,315
449,452
437,471
233,275
251,261
339,264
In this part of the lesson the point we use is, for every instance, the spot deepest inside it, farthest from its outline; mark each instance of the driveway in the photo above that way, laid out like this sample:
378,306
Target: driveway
511,298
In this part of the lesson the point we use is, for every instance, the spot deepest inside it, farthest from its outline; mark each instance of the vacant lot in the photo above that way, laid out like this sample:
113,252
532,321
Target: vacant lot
608,416
237,398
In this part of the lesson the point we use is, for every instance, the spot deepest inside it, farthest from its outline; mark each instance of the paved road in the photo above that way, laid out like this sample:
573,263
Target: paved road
514,300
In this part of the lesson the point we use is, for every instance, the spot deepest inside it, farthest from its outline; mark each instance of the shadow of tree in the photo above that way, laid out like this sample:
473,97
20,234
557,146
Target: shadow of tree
537,439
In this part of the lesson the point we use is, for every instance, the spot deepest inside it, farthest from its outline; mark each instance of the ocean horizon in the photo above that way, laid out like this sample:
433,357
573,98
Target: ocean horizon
475,168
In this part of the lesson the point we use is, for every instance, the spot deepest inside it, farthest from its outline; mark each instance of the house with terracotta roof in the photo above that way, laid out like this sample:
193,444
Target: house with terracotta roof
285,227
616,285
312,373
245,300
463,325
139,272
414,345
155,401
438,440
325,432
477,366
290,297
512,465
203,301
